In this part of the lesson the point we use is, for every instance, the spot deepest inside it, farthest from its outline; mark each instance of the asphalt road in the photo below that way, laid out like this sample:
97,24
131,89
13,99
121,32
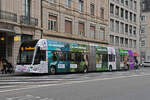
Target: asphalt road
126,85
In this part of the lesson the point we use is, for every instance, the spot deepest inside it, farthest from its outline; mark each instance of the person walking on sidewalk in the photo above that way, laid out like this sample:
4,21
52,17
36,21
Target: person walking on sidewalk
4,62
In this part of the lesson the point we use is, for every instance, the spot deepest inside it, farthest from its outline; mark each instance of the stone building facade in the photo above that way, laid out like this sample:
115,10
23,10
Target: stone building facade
75,20
145,31
81,21
20,20
124,24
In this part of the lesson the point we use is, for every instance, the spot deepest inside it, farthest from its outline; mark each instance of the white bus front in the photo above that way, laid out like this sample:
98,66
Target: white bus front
31,58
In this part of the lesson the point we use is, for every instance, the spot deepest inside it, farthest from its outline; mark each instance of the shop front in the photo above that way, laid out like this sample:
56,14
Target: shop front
6,46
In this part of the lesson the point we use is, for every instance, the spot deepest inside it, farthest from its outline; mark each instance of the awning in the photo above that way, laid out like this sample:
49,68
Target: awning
136,54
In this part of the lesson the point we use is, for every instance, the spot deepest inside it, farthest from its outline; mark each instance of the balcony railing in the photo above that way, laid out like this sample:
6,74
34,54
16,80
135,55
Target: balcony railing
28,20
8,16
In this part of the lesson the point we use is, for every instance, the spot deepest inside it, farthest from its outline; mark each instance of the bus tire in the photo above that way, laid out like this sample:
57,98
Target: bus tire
52,70
85,70
110,68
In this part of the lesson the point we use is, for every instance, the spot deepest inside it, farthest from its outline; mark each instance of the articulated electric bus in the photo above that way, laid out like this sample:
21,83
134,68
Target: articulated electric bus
51,56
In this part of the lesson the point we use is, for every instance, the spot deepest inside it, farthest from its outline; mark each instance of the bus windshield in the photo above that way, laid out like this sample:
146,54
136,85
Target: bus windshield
26,52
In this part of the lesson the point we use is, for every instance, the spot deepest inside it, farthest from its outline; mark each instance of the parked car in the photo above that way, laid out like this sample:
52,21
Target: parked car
146,64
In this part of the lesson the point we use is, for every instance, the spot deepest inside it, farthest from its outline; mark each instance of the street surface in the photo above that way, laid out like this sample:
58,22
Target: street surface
123,85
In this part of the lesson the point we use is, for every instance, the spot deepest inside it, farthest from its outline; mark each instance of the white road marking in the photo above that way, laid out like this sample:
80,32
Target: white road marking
70,82
7,86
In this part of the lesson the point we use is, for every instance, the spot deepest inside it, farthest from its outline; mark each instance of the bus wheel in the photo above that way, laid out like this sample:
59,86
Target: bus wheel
85,70
110,68
52,70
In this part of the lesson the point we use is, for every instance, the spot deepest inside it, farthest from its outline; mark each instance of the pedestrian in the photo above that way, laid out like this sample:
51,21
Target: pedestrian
4,62
10,68
136,63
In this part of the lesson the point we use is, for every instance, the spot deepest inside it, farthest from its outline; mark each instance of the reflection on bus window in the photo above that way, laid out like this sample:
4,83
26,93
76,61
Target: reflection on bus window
72,56
105,58
62,56
54,56
77,56
40,56
98,58
25,57
111,58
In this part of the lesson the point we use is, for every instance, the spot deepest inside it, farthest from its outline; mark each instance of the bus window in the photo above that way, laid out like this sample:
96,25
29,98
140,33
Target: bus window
25,57
71,56
105,58
98,58
54,56
26,52
40,56
78,57
62,56
111,58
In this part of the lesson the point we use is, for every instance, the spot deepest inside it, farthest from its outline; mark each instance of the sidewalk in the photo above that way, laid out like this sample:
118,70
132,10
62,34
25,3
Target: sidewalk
7,75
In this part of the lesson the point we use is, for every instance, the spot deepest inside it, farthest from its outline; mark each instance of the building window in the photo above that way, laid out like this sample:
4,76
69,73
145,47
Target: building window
130,43
143,18
126,42
27,7
92,7
134,17
143,43
68,26
117,26
134,43
81,5
126,15
122,1
111,39
131,4
112,9
121,41
126,2
81,29
134,31
135,5
130,29
122,13
68,3
52,23
102,33
143,6
122,28
130,16
142,28
112,25
92,31
117,41
126,28
117,11
102,13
